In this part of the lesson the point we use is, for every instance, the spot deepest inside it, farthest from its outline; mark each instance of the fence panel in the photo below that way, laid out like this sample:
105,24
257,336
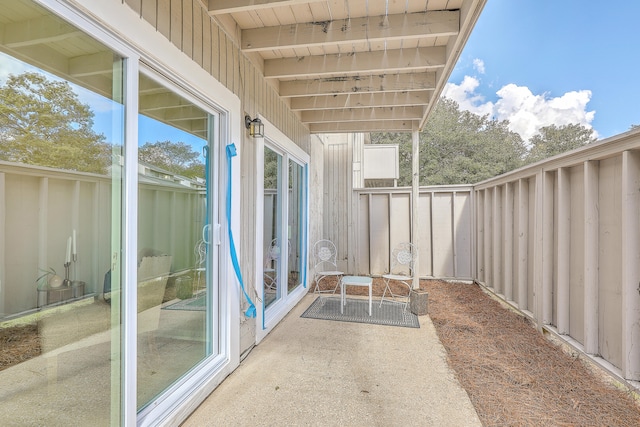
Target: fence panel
443,235
572,224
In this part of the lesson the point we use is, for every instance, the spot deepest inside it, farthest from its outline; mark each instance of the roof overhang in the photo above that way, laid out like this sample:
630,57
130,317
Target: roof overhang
353,65
339,65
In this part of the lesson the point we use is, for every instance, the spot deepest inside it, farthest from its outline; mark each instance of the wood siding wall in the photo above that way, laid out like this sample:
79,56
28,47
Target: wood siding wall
337,200
559,240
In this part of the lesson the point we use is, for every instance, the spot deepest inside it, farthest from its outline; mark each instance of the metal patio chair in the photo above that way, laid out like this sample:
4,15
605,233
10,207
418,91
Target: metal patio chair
325,264
403,258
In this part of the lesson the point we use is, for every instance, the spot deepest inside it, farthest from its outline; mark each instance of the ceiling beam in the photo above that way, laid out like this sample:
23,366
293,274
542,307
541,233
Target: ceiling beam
440,23
88,65
361,100
362,114
147,86
364,127
161,101
189,112
45,29
219,7
359,84
416,59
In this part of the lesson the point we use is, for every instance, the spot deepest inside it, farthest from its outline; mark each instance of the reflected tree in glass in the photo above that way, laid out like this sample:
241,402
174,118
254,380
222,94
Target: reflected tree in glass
273,248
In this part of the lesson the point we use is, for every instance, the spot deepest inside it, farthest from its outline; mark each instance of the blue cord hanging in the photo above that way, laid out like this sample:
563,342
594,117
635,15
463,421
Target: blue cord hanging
251,311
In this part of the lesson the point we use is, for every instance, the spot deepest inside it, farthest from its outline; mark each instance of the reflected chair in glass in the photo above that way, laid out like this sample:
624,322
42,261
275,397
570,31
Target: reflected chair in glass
270,276
200,252
403,258
325,265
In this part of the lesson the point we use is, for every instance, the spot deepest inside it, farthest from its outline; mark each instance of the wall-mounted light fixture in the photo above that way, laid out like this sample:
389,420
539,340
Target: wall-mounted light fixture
255,126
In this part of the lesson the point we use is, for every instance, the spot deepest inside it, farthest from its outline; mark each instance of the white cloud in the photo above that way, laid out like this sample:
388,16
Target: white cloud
478,64
465,95
525,111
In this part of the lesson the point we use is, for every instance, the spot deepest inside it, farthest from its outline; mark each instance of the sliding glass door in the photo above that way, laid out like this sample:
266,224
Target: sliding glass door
61,185
176,315
296,225
284,225
272,232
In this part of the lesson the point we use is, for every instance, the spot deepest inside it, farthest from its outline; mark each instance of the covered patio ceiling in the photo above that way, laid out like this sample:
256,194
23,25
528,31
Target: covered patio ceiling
341,65
353,65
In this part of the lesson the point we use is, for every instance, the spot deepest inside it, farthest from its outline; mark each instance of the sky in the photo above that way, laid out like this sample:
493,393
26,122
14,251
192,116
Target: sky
542,62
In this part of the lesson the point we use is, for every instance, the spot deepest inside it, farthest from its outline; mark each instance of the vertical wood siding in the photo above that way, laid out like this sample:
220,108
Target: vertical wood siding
337,185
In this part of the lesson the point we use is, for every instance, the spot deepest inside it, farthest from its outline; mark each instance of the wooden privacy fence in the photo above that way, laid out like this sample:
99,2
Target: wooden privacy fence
560,240
443,237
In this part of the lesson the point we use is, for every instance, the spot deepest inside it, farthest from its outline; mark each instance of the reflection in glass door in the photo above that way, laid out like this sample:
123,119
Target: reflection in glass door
296,223
284,225
174,261
61,179
273,248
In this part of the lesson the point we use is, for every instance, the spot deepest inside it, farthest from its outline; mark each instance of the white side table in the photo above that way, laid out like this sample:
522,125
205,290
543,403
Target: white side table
353,281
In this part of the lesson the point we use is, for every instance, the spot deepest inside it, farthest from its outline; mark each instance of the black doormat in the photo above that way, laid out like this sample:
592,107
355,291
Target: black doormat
357,310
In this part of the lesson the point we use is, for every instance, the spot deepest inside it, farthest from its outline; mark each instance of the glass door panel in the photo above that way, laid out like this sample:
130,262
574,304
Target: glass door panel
296,223
272,241
174,295
61,148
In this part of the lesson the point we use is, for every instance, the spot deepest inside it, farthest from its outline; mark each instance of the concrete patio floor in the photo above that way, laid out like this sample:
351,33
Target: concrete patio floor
310,372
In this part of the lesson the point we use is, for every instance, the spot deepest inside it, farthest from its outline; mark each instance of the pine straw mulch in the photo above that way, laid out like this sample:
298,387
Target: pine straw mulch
513,374
18,344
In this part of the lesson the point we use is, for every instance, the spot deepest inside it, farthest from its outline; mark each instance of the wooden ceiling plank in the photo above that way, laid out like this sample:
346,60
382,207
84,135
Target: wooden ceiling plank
41,56
188,112
362,114
87,65
161,101
379,126
220,7
419,59
361,100
359,84
372,29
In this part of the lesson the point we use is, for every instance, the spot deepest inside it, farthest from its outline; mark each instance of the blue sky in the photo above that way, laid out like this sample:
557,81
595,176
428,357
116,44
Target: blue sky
542,62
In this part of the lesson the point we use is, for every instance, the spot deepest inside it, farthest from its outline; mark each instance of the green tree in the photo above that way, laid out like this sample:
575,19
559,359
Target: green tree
458,147
42,122
176,157
552,140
